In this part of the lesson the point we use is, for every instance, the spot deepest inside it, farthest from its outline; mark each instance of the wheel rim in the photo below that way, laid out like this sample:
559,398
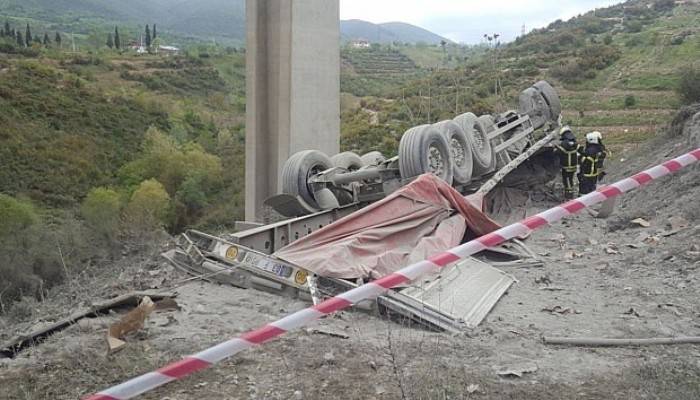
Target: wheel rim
315,170
436,161
458,152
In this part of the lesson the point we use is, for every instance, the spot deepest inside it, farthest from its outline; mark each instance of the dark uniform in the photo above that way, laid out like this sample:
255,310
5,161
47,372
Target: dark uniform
591,161
568,152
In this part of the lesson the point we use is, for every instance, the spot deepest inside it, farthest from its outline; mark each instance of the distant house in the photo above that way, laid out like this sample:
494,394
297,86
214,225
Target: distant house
169,50
360,44
137,46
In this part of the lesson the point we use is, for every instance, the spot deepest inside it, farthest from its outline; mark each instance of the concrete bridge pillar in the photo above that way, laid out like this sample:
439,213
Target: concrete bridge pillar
292,88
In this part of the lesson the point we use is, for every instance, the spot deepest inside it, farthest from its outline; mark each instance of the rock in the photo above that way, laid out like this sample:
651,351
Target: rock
641,222
329,358
298,395
516,370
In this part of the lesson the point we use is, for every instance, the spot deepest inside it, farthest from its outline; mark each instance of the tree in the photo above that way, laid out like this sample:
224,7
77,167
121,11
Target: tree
58,39
20,39
110,40
148,36
117,40
149,207
28,36
7,28
155,33
47,41
102,211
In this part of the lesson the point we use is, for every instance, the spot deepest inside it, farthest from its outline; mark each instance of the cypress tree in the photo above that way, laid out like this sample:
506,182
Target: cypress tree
20,39
148,36
28,36
110,41
2,32
58,39
47,41
155,33
117,40
7,28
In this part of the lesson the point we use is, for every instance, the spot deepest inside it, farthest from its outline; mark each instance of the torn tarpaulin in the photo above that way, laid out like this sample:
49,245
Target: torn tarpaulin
410,224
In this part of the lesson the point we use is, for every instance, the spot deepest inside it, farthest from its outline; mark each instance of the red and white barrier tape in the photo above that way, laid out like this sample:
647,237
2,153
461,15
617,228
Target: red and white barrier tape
206,358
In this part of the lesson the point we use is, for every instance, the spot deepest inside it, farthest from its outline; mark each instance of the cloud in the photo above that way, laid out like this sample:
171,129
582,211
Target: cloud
467,20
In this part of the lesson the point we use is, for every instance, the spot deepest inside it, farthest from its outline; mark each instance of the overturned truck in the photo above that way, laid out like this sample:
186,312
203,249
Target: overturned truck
347,219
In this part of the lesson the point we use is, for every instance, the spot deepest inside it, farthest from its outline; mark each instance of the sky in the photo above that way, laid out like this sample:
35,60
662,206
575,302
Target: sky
466,21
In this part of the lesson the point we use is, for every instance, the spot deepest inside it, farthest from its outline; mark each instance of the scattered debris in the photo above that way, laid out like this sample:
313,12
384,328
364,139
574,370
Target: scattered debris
544,280
641,222
327,333
516,370
131,322
561,310
671,307
601,342
572,254
611,248
632,311
472,388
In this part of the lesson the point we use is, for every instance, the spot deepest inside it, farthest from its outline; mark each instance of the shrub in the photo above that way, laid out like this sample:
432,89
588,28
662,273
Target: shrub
608,39
101,210
15,216
148,208
630,101
689,85
571,72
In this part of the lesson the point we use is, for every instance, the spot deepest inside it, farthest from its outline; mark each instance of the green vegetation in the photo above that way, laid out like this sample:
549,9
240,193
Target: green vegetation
689,85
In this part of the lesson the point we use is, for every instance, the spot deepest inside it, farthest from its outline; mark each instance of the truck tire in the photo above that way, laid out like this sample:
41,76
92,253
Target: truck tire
501,158
297,171
551,97
482,152
461,149
347,160
532,103
372,158
425,150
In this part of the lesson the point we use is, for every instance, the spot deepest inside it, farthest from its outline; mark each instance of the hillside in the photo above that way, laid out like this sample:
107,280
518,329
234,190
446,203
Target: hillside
617,78
388,32
198,19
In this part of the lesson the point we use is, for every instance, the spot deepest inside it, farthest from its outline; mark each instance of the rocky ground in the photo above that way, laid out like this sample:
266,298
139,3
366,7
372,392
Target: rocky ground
601,278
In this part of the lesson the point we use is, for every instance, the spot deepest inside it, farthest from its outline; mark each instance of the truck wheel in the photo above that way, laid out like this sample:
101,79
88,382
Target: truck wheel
347,160
425,150
532,103
461,149
551,97
297,171
482,153
372,158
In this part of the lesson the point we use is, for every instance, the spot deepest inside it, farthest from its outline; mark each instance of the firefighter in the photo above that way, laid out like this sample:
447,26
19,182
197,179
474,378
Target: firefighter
592,158
568,152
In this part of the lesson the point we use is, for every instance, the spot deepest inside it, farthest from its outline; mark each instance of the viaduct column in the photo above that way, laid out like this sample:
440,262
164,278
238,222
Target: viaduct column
292,88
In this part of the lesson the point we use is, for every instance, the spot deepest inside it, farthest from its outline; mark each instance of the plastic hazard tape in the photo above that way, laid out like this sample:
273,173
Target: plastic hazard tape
207,358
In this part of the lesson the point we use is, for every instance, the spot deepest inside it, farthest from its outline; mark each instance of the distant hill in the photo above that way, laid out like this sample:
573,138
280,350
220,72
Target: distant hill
203,19
389,32
197,19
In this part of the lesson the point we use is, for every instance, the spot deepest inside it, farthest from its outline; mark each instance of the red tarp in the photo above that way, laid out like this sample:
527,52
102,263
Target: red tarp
407,226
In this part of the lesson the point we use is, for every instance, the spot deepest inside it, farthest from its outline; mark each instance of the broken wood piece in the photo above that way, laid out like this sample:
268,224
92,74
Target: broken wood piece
602,342
131,322
328,333
17,344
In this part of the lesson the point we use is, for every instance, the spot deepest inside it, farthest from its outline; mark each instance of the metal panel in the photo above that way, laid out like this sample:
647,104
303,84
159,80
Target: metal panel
466,291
